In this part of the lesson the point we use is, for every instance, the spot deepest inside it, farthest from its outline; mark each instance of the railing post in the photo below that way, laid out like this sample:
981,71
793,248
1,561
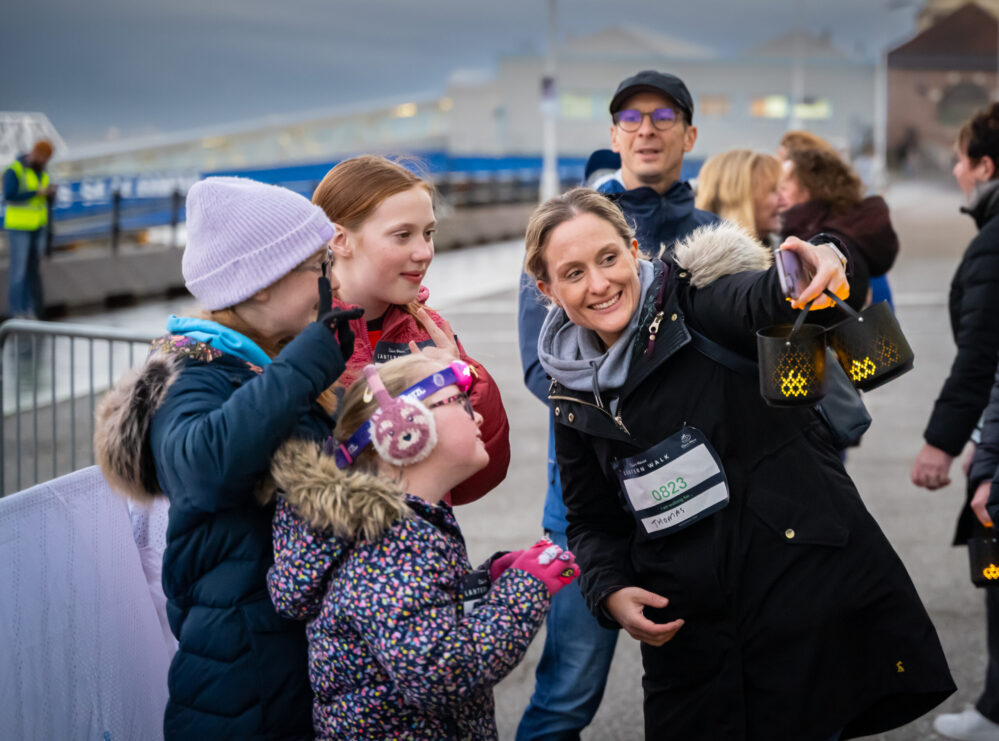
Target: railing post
115,219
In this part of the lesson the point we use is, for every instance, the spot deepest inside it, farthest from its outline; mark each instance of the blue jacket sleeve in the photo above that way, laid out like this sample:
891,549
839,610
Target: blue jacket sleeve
531,313
10,188
212,444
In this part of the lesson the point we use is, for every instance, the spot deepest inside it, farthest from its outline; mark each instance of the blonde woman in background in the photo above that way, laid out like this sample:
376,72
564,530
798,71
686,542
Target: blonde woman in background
741,186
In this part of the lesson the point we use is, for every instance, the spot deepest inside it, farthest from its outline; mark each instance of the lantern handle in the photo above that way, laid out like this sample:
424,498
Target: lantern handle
801,319
842,304
804,312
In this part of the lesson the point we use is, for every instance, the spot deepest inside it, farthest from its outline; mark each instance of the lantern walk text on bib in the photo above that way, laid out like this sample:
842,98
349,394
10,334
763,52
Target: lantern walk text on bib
673,484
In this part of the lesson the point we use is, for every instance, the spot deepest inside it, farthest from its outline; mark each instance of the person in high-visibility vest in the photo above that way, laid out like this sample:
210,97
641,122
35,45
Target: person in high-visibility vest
26,192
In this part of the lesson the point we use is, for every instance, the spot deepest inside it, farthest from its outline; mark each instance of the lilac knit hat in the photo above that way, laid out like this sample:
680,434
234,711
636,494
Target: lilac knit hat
242,236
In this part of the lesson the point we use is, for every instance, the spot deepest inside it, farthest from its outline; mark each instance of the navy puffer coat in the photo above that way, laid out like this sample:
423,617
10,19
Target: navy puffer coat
201,426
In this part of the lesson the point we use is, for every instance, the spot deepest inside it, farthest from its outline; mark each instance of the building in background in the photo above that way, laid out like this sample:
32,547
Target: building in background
938,79
19,131
741,100
420,123
934,11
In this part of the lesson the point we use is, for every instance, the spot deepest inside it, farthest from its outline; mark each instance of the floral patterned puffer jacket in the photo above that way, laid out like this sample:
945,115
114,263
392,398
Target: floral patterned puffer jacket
392,652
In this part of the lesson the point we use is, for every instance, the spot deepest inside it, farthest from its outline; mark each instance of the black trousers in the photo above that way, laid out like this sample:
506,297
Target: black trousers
988,703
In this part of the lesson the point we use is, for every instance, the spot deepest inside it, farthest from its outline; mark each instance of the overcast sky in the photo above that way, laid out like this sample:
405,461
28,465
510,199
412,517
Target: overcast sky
127,67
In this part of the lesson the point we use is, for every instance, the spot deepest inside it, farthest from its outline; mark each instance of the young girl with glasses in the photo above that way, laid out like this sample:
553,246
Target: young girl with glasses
375,554
199,422
383,249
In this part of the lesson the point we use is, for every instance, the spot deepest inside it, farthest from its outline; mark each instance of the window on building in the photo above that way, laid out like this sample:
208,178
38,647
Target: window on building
769,106
713,105
812,109
958,102
575,105
779,106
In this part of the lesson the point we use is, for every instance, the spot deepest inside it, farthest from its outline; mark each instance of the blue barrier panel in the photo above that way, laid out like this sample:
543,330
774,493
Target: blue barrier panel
83,208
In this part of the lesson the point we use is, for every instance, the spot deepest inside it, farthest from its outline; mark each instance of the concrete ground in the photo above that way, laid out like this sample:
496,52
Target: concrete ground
919,523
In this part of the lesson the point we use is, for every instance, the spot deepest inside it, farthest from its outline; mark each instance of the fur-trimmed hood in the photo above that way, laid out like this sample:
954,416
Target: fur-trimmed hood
353,505
716,250
121,426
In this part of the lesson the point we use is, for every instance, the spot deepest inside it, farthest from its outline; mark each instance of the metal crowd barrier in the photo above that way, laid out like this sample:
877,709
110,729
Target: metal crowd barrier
51,376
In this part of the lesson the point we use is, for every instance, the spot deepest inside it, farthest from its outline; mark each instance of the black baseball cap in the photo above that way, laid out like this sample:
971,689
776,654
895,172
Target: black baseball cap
650,81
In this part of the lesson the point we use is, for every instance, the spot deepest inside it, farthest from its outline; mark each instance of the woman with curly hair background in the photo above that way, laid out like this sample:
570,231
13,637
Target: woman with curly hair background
820,193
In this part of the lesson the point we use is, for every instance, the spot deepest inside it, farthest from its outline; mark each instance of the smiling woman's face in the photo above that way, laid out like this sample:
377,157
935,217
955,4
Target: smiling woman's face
593,275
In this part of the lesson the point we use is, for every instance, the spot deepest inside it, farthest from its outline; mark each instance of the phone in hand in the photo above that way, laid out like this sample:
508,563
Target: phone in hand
793,276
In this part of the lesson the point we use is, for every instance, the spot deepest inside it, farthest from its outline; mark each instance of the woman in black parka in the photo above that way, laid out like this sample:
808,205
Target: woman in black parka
974,317
781,614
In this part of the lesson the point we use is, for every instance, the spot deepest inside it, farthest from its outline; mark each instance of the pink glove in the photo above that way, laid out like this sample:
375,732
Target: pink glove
501,564
549,563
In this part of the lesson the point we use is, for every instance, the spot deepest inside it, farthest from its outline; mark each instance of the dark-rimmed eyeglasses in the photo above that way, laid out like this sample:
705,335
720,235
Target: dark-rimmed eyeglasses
322,267
460,398
630,119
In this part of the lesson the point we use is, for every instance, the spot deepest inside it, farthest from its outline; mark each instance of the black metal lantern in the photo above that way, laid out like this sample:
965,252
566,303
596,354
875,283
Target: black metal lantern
792,361
870,346
983,556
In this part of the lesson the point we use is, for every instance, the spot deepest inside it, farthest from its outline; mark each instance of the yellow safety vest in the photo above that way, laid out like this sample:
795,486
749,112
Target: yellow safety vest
33,214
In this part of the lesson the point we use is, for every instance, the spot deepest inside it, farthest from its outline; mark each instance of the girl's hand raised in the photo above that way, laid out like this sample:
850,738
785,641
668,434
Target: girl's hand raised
445,347
337,321
547,561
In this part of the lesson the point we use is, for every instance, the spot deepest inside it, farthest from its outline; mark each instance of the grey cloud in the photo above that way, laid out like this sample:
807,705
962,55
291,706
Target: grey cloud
169,64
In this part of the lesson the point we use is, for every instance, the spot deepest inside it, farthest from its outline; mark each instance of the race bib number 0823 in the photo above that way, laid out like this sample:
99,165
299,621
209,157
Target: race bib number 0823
673,484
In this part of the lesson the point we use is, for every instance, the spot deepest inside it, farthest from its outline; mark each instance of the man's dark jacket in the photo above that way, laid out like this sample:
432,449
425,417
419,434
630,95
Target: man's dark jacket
659,219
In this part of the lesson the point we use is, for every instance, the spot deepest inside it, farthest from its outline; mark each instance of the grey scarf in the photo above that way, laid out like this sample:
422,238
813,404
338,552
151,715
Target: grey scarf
574,356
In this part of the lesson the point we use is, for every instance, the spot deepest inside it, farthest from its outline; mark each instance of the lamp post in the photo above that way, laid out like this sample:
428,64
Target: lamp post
879,168
797,69
549,115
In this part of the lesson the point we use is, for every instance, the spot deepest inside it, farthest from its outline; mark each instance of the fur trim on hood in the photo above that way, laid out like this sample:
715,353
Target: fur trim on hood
716,250
121,427
353,505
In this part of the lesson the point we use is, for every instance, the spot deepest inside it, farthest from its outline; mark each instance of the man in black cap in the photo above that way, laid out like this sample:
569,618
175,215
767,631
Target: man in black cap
652,129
